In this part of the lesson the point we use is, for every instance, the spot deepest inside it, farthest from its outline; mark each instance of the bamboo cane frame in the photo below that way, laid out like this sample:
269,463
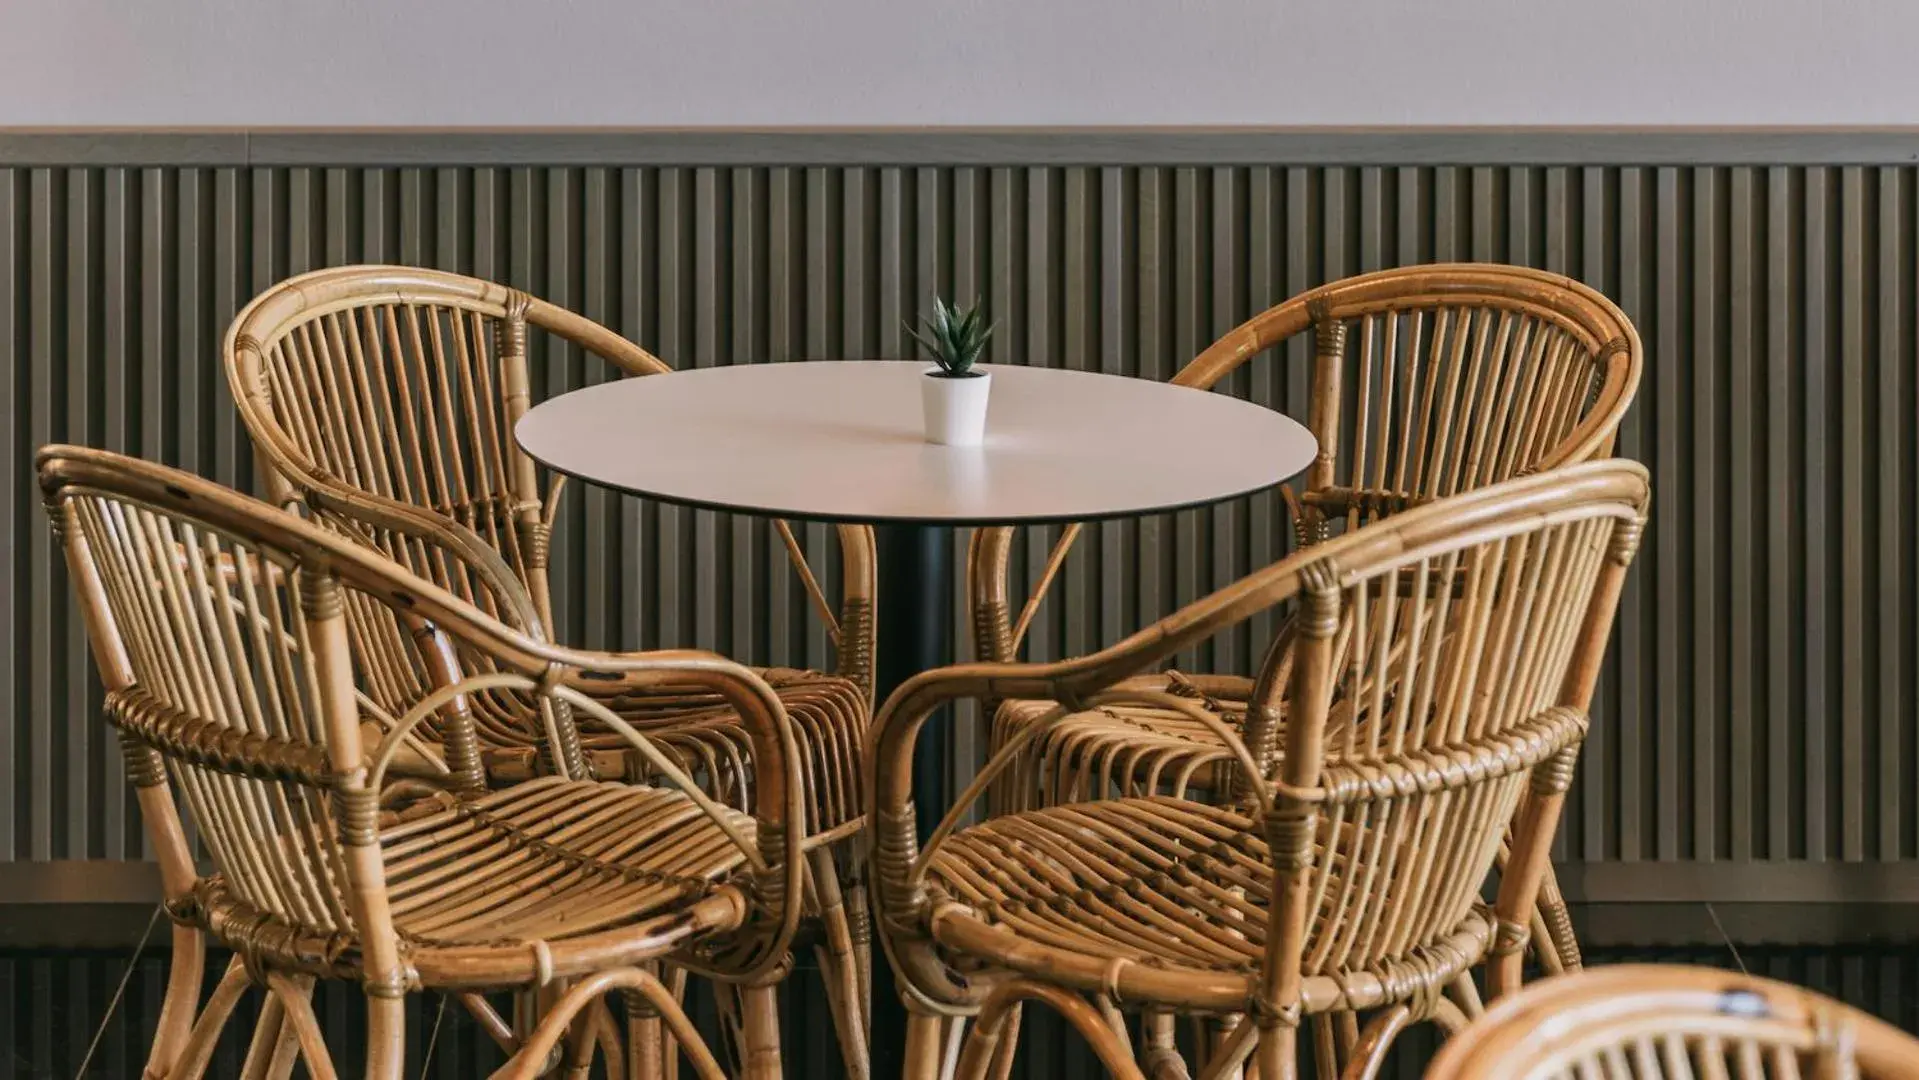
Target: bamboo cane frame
1573,531
300,359
1486,320
1652,1021
317,365
172,683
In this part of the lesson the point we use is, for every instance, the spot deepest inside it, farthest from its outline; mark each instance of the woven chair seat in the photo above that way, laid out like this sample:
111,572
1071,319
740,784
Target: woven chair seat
550,859
582,868
704,736
1145,893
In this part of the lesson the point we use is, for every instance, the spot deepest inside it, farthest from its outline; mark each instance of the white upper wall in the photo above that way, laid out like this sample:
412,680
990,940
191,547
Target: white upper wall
761,63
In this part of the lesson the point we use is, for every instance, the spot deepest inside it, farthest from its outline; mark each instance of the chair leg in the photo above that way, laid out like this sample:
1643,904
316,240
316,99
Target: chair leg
1464,993
531,1059
1449,1017
1552,942
1227,1060
952,1036
286,1056
1002,1066
1162,1060
1214,1038
838,968
924,1046
1377,1038
859,929
675,981
989,1027
197,1050
1326,1055
270,1033
760,1028
1277,1055
645,1046
185,972
385,1038
576,1057
286,1050
295,994
606,1034
726,1002
1553,932
496,1026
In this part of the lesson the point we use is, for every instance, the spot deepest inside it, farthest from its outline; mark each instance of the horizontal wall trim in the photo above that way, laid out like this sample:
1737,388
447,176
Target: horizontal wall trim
1024,147
1782,882
1743,924
122,924
59,881
73,881
100,903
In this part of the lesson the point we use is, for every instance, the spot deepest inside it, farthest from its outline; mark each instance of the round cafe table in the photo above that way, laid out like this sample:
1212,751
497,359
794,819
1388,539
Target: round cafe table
841,441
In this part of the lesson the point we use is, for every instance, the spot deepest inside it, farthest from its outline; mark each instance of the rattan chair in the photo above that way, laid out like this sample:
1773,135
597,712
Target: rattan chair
220,626
384,398
1649,1022
1434,682
1464,375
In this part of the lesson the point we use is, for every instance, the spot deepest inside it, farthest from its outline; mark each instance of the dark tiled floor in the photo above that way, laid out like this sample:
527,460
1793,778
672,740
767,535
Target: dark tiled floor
50,1007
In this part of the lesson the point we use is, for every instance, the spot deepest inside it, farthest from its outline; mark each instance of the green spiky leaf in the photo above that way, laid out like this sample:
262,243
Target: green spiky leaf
954,338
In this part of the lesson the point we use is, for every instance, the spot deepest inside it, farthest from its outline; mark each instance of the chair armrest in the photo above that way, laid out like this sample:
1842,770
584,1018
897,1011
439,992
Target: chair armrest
351,506
559,674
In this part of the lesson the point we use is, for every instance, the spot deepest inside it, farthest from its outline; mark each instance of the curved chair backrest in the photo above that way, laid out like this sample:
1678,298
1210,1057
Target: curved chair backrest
1438,672
1652,1021
219,627
1440,669
1426,381
378,389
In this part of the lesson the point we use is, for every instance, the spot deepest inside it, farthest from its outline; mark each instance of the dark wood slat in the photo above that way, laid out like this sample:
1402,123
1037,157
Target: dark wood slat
1746,331
1855,798
1817,361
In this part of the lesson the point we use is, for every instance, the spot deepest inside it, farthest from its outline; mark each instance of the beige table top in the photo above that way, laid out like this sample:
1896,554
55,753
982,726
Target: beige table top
841,441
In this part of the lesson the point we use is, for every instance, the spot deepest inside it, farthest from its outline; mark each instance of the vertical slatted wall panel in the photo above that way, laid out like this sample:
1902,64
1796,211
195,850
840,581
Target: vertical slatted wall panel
1760,706
1760,703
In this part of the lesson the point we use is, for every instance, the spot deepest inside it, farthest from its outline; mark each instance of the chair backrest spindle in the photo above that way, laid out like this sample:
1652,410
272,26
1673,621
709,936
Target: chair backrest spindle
376,390
1425,381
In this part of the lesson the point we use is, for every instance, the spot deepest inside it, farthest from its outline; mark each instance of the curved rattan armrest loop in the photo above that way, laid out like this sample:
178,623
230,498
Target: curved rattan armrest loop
550,508
391,740
328,496
777,790
671,770
781,878
602,342
789,819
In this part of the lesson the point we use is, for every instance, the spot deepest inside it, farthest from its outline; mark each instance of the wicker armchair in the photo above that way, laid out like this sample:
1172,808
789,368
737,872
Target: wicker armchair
220,626
1648,1022
1463,375
384,398
1434,688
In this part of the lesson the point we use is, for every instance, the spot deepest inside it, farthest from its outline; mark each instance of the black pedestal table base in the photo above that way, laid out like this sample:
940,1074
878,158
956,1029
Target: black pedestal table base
915,634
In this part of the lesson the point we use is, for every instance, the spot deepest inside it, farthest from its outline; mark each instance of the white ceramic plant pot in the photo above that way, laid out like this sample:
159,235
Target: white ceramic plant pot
955,408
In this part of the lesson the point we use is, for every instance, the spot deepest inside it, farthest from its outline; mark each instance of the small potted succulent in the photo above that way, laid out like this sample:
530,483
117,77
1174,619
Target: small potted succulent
953,392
